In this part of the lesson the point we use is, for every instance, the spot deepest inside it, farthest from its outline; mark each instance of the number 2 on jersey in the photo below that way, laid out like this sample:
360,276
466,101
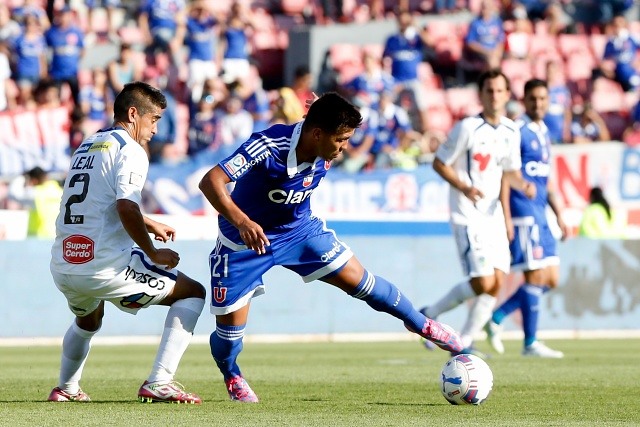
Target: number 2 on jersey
82,178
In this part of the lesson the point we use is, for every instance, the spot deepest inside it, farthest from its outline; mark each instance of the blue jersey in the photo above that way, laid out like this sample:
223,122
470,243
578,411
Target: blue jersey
536,158
29,52
488,33
201,39
622,50
237,44
559,103
162,13
405,56
271,187
67,46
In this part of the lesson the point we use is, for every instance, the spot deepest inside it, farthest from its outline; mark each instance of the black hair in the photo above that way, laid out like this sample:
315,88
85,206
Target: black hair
490,75
332,113
532,84
596,196
37,173
140,95
301,71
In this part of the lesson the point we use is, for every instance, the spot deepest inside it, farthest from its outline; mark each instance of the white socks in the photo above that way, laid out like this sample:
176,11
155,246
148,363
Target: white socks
178,329
456,296
75,349
479,315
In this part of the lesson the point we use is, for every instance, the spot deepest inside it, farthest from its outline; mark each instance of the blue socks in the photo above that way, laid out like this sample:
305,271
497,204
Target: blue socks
226,345
527,299
385,297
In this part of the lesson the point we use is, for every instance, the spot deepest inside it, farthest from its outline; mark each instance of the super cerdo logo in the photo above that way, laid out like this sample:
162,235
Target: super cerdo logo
78,249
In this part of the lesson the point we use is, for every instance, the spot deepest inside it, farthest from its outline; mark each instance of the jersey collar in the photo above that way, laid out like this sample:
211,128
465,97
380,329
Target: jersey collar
292,161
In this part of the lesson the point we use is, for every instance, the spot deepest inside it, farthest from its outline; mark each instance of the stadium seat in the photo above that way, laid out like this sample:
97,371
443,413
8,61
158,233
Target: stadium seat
463,101
131,35
434,98
439,119
569,44
579,66
608,102
427,77
294,7
346,58
543,45
514,68
597,42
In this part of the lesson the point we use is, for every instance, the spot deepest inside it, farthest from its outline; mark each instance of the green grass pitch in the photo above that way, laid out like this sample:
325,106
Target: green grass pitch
333,384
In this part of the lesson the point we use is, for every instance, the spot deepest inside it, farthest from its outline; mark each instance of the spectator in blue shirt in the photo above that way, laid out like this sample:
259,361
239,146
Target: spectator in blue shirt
620,55
201,40
163,24
30,57
204,133
65,40
405,51
96,100
484,42
372,81
558,117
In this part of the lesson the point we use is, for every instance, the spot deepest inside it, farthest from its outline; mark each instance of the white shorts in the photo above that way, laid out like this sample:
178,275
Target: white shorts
482,247
139,285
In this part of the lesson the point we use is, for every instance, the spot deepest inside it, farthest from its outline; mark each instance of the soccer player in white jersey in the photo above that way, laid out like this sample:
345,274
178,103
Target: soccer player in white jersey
479,153
103,250
267,221
533,245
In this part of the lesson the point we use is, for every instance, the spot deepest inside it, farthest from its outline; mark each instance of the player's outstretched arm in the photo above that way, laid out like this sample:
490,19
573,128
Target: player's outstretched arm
214,187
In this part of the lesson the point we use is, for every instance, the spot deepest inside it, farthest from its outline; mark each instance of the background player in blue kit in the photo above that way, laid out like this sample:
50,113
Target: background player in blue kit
267,221
532,244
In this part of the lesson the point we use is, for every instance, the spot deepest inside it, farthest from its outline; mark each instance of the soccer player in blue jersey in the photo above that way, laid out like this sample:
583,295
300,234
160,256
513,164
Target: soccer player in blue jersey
532,244
267,221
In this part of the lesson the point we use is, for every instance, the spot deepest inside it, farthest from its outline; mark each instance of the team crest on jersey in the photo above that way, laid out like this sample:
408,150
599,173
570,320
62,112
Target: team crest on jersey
307,180
219,293
136,301
235,164
327,164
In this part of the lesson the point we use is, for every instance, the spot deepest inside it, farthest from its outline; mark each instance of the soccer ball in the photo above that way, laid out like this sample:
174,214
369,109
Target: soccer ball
466,380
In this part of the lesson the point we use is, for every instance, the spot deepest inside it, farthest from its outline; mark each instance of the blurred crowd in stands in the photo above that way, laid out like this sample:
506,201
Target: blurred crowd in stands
208,56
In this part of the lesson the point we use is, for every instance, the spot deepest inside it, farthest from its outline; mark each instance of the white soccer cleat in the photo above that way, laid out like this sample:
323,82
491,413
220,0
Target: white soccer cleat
538,349
493,331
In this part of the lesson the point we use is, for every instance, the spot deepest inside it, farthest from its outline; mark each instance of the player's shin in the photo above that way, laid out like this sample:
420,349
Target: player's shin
479,315
530,306
75,350
178,329
382,295
226,345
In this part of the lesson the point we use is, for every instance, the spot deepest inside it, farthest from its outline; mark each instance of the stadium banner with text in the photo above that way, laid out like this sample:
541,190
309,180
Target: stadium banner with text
34,138
417,201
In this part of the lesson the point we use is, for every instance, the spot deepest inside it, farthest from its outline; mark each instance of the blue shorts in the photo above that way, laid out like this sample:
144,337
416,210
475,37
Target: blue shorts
534,247
311,250
103,3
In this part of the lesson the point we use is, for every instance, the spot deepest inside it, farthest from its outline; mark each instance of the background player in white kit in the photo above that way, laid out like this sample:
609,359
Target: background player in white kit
533,245
267,221
94,259
479,153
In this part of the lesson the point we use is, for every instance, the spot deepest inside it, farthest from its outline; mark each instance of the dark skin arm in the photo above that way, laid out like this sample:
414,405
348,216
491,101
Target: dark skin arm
139,228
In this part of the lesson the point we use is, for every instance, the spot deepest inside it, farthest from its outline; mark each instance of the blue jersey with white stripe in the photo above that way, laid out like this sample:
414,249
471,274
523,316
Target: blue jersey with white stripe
271,187
535,152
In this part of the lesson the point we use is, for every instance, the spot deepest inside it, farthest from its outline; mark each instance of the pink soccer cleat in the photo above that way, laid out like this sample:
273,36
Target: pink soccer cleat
441,335
171,392
59,395
239,390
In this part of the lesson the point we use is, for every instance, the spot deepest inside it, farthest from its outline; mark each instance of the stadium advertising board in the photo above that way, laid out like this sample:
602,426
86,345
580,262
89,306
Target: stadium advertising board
421,196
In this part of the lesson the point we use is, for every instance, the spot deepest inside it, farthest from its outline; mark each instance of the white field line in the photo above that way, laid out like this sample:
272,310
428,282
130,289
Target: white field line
311,338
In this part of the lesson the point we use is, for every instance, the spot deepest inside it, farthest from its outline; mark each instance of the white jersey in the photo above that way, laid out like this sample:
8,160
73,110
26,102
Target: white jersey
479,152
90,238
